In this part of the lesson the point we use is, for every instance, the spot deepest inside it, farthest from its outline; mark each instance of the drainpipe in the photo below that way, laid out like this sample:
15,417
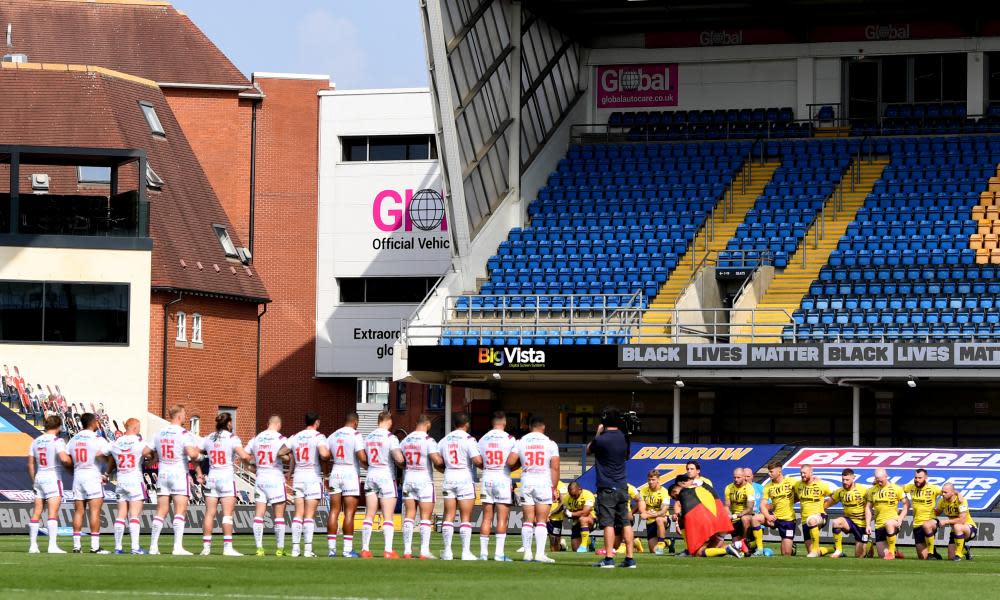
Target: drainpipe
253,174
257,381
163,380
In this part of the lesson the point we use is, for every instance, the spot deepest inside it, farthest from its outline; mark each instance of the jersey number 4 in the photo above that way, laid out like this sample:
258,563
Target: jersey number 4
340,451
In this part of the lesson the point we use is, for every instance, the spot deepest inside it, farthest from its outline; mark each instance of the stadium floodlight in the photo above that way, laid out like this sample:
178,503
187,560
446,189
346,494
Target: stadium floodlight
679,383
496,376
910,382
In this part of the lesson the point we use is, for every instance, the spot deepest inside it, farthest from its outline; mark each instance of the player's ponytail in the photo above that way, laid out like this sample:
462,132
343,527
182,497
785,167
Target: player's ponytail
223,422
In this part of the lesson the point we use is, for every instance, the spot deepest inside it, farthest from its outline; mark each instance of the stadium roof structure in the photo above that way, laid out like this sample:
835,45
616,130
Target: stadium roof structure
146,38
93,107
585,19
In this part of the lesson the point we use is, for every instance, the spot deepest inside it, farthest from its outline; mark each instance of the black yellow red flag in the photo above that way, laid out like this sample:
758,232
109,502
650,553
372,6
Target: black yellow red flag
704,516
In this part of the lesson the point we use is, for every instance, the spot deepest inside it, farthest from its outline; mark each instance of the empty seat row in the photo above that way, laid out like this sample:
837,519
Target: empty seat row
869,332
583,261
862,302
731,115
686,150
899,317
530,336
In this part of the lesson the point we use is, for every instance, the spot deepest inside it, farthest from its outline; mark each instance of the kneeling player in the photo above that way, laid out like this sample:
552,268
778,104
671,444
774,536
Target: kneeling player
777,509
963,527
706,520
580,510
812,493
127,453
851,496
882,513
657,507
269,484
47,450
557,512
739,499
923,497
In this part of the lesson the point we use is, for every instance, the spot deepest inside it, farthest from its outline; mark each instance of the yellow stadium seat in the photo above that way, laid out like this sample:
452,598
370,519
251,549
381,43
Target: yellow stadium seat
994,184
976,241
993,213
979,213
991,241
982,256
995,257
985,227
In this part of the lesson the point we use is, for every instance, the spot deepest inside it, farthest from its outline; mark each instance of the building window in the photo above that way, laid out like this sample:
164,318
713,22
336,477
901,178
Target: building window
152,119
435,398
227,242
373,391
64,313
195,425
372,148
181,327
87,174
401,403
152,179
385,290
231,410
196,328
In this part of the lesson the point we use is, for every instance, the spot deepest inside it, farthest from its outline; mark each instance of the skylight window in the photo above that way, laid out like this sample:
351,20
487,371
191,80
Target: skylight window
151,117
226,241
88,174
152,179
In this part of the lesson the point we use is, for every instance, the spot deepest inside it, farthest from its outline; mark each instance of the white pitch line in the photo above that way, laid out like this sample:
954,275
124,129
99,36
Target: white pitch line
144,593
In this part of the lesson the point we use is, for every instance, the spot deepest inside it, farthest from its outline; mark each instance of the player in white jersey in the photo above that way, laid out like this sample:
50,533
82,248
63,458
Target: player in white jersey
48,453
88,452
420,453
308,447
496,486
539,460
382,455
173,446
461,455
222,448
269,484
126,454
346,447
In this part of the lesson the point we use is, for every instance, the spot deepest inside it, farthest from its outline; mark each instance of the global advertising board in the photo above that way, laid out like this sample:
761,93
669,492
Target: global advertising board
380,220
637,85
975,473
717,462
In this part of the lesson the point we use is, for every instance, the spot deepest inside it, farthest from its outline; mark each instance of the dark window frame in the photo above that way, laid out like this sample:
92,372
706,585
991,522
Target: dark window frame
154,128
351,143
360,292
43,342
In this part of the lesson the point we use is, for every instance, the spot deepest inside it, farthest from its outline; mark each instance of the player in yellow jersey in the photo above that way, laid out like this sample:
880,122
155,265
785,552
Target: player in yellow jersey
812,492
580,510
776,508
882,513
963,528
739,498
657,502
557,512
851,496
923,497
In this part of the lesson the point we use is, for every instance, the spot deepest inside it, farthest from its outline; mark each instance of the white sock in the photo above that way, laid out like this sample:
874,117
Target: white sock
133,532
76,540
501,538
348,544
119,533
331,542
179,531
227,542
484,545
258,532
95,540
407,536
206,542
527,532
465,532
425,538
541,536
387,531
308,527
296,532
366,534
53,529
447,531
154,533
279,533
33,533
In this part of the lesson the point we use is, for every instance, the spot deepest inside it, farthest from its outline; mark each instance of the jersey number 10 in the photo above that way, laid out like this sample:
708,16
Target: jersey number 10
80,454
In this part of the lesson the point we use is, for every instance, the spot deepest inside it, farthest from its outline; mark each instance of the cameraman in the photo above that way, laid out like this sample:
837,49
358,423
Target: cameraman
611,450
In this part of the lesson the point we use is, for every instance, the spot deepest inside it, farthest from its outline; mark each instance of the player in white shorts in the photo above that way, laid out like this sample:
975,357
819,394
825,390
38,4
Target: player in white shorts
496,486
88,452
126,455
222,448
173,446
539,460
420,453
461,455
48,453
308,447
346,447
269,483
382,455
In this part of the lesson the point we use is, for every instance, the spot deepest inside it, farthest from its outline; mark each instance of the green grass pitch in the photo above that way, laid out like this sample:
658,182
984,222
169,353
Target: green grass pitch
271,578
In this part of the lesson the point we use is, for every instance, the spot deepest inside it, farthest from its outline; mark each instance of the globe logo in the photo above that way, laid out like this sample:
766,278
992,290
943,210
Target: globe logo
630,80
427,209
